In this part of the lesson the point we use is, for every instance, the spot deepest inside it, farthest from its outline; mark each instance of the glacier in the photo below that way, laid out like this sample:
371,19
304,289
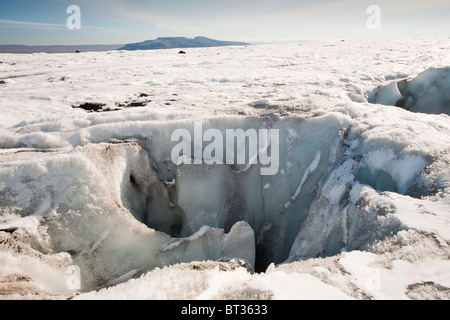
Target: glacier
359,208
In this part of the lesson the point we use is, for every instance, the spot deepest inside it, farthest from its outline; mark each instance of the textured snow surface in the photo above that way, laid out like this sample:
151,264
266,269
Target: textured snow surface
358,209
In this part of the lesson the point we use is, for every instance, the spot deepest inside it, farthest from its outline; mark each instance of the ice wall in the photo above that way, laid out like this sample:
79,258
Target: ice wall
90,202
274,206
429,92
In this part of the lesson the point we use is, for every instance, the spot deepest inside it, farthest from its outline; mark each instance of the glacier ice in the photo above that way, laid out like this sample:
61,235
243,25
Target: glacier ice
94,224
360,185
125,207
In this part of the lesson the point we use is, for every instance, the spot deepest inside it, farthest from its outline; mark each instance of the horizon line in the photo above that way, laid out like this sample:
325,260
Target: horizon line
250,42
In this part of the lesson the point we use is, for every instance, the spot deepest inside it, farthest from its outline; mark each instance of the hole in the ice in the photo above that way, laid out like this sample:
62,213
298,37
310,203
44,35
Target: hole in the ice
188,197
155,204
176,229
133,181
378,179
260,263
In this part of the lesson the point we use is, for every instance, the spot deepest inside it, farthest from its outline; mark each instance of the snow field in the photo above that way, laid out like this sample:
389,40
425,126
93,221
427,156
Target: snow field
359,208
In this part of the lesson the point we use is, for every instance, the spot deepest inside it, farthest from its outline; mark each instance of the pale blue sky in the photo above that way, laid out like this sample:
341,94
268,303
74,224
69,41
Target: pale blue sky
124,21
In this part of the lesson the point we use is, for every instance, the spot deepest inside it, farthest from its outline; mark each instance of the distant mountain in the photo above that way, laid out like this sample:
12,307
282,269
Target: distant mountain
56,49
160,43
180,42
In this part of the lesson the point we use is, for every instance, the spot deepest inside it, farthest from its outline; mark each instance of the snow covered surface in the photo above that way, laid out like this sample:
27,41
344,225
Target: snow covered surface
92,207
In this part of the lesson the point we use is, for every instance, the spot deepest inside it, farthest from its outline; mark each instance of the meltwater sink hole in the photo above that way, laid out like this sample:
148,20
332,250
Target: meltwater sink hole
127,206
186,197
313,172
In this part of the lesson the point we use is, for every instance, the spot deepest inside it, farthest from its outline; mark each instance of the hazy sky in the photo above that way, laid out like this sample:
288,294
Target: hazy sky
125,21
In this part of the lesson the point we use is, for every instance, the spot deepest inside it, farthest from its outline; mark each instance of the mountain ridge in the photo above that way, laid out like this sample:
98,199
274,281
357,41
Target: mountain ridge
179,43
158,43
